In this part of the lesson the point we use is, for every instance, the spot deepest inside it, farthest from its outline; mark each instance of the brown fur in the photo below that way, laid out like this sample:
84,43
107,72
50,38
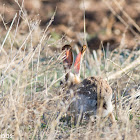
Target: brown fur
92,96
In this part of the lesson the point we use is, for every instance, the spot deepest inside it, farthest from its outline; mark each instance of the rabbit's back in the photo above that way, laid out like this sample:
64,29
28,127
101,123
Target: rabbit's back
88,92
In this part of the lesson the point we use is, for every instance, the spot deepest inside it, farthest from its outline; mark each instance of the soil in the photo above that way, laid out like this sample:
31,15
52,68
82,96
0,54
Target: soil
111,23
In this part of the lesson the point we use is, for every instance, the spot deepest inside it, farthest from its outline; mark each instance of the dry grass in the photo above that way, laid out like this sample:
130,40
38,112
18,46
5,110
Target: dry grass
32,104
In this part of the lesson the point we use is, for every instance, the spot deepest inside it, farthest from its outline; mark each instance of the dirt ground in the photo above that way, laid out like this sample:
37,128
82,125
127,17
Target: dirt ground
106,21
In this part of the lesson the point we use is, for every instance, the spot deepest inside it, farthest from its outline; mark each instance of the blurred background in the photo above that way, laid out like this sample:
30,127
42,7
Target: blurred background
106,21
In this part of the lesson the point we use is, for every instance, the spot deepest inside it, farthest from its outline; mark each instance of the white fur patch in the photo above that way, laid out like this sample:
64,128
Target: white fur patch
73,78
109,108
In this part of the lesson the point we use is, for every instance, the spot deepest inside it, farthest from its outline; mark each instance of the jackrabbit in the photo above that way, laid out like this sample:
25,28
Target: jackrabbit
92,96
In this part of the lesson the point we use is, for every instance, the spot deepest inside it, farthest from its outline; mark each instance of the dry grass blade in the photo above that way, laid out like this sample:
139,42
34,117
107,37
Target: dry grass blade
120,18
8,32
124,70
126,15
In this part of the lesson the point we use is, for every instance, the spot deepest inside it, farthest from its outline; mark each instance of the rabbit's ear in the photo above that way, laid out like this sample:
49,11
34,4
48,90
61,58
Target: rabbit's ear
78,61
67,63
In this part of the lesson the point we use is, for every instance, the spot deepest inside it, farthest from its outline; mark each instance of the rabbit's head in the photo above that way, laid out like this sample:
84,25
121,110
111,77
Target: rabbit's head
72,77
